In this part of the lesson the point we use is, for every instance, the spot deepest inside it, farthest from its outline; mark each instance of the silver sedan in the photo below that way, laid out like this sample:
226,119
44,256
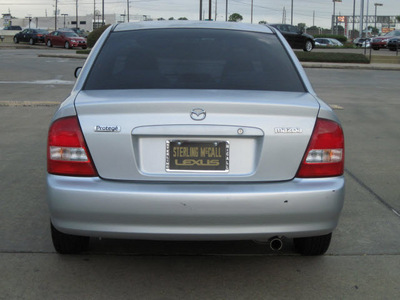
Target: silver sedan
194,131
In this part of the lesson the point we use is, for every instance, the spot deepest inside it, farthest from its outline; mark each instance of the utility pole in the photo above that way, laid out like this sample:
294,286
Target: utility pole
226,11
209,9
362,19
201,9
216,1
334,16
354,16
127,4
102,11
366,21
284,15
64,15
55,17
251,12
313,18
376,5
291,19
76,14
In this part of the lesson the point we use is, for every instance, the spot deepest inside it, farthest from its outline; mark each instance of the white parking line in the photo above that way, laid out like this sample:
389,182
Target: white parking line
28,103
51,81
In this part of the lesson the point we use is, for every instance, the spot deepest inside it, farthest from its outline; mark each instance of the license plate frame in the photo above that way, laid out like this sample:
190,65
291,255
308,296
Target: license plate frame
197,156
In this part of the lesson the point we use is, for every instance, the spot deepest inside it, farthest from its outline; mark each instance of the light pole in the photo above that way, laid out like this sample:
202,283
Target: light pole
376,6
354,16
252,12
76,15
226,11
291,14
334,21
55,18
209,9
102,13
29,21
64,15
362,19
366,21
127,4
200,10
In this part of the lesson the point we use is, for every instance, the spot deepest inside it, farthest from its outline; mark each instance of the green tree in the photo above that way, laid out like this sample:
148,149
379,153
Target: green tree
183,18
171,19
398,18
313,28
235,17
262,22
301,26
95,35
160,19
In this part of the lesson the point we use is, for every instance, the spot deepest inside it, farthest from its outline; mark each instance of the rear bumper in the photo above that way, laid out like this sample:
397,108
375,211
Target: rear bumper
178,211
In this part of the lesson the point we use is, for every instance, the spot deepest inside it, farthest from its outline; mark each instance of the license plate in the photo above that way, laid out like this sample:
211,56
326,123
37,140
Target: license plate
197,156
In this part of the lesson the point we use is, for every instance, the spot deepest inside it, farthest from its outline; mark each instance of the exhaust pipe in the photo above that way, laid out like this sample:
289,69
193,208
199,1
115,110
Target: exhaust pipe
276,243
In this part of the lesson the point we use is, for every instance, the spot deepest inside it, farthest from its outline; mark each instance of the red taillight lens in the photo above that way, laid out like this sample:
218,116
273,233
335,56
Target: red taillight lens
325,153
67,153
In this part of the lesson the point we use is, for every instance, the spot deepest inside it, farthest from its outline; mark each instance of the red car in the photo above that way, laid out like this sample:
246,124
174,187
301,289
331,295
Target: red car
382,41
67,39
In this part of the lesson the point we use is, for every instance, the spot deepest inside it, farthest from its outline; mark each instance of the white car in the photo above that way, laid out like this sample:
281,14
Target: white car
327,42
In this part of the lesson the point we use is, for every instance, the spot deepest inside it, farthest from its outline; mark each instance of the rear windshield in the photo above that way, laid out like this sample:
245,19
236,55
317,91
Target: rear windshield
193,59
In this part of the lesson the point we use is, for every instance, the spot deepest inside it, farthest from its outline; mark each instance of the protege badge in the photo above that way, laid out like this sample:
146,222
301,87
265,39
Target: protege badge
288,130
106,128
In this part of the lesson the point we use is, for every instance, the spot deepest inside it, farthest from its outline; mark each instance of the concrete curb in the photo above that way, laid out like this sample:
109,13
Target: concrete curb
76,56
378,67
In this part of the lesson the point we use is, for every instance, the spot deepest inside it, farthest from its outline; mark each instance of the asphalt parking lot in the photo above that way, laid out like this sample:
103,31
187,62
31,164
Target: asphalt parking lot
362,262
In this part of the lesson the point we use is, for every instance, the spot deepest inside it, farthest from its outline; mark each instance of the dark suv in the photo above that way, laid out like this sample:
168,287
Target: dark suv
296,38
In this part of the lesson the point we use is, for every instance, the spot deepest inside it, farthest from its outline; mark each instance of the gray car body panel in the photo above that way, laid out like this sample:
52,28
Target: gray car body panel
126,155
180,211
258,198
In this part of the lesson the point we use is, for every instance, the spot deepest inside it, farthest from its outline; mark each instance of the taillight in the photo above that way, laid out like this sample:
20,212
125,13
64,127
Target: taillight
67,153
325,153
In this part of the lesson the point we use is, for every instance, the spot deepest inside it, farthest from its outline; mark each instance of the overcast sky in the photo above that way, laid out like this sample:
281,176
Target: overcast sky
268,10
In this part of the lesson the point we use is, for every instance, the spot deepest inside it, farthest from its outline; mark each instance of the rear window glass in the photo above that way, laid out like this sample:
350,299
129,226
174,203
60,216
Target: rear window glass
193,59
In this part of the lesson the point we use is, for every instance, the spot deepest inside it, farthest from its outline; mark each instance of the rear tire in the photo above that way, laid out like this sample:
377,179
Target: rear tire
314,245
308,46
49,44
67,45
31,41
375,48
16,41
67,243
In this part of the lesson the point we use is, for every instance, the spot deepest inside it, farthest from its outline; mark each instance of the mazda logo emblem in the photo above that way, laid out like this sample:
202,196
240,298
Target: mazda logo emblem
198,114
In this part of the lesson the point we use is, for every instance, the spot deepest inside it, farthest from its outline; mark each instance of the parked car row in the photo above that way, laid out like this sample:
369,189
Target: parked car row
65,37
384,41
362,42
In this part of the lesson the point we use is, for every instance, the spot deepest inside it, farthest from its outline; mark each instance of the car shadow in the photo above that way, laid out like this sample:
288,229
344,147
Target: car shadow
186,248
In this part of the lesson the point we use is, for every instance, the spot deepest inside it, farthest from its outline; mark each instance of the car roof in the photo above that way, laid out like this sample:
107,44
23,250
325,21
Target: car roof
191,24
